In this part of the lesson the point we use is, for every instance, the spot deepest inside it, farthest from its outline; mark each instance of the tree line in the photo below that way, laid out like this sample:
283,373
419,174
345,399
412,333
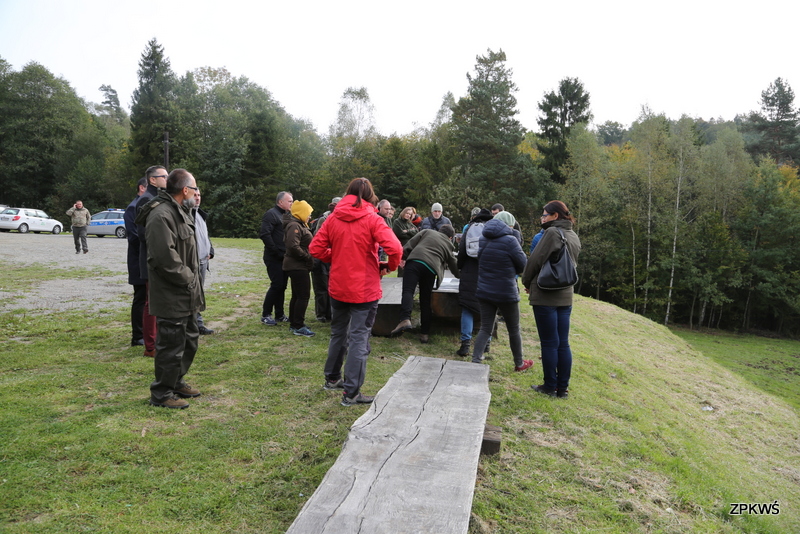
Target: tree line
685,220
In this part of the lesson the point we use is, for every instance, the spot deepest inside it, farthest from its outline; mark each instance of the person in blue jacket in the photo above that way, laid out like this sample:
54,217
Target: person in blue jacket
500,260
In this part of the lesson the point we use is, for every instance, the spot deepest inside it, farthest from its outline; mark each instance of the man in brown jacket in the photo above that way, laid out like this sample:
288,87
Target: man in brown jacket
176,294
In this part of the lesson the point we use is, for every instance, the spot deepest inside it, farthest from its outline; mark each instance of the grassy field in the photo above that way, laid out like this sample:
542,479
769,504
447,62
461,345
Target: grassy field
655,437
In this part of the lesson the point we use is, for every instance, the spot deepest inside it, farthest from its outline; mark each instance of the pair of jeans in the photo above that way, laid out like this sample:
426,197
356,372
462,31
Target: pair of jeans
552,322
467,324
351,326
301,294
417,273
176,346
277,288
510,312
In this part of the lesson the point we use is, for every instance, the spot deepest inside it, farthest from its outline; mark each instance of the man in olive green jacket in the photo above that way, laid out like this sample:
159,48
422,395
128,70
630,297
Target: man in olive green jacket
176,294
80,219
424,260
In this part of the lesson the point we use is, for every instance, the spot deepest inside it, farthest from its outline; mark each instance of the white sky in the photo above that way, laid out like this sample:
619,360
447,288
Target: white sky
704,58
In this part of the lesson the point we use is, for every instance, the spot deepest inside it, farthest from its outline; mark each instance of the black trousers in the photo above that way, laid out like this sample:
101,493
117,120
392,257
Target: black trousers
137,311
418,274
319,278
277,289
301,293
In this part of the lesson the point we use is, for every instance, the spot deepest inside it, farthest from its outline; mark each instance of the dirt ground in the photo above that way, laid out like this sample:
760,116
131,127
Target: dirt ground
105,254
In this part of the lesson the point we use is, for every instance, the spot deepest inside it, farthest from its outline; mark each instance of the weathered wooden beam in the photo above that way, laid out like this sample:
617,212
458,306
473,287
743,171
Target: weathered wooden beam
409,463
492,438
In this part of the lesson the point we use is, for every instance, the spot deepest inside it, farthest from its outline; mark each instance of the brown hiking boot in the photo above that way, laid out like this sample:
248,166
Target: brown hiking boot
404,325
170,402
187,392
150,353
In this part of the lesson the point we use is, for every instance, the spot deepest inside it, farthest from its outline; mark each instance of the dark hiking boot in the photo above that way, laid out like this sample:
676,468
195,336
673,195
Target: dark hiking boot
464,349
544,391
335,384
357,399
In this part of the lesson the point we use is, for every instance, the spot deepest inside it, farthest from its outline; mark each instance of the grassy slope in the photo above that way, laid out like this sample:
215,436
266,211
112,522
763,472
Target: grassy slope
632,450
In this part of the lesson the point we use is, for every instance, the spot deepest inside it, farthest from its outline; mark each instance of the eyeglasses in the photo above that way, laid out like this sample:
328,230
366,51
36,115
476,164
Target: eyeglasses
545,215
160,176
195,188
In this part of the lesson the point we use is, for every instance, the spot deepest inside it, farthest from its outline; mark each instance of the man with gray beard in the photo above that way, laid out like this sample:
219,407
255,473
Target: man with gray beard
176,294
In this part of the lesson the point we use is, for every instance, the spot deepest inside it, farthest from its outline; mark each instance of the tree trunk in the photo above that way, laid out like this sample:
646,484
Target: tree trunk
702,313
649,234
633,254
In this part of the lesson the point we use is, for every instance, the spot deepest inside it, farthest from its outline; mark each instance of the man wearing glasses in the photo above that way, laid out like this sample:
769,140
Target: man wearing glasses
176,291
156,179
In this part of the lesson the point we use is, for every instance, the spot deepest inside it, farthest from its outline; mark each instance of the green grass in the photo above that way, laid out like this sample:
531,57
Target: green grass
631,450
772,365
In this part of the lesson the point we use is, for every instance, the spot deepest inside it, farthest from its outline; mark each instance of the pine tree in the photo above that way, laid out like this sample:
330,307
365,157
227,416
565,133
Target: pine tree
485,128
776,125
153,108
561,111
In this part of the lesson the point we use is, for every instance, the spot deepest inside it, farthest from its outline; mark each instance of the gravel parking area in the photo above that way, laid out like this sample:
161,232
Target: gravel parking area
105,254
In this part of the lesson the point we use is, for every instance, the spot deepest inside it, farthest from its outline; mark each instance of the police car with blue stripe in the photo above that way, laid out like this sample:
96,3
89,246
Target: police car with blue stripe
109,222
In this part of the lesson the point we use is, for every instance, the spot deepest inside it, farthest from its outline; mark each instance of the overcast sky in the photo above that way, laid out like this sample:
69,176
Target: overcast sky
707,59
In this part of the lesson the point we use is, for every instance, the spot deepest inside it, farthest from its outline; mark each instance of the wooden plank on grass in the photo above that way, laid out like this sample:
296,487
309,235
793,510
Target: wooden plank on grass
409,463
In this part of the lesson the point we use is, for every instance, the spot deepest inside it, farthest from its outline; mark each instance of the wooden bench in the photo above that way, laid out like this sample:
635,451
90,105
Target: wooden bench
409,463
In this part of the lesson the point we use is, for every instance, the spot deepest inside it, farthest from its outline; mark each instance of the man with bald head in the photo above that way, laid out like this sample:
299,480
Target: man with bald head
176,293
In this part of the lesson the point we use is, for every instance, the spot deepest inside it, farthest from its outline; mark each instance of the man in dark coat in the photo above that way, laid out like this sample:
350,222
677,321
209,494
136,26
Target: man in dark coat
176,292
435,220
271,234
134,274
156,180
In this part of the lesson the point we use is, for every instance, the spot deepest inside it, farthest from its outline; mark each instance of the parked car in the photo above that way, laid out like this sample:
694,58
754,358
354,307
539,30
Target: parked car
25,219
109,222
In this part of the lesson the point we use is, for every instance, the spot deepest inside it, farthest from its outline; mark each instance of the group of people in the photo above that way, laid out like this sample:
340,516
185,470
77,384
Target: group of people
343,253
168,255
348,249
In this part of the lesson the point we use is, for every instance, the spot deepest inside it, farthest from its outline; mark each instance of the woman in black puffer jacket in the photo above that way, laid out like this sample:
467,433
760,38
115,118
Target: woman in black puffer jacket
500,260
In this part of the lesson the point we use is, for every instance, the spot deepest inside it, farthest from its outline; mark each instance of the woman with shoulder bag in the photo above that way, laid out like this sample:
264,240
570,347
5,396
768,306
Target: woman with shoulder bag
552,307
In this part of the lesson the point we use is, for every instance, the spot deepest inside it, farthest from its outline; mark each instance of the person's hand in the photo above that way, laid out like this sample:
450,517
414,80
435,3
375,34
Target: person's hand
403,264
527,291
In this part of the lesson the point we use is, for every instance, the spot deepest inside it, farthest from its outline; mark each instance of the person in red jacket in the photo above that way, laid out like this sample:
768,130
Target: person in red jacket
349,241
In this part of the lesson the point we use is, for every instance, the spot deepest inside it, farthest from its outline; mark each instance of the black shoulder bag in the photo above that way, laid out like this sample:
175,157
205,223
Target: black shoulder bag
559,271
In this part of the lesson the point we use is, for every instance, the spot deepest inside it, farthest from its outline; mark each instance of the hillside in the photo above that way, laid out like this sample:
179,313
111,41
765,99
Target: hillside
655,437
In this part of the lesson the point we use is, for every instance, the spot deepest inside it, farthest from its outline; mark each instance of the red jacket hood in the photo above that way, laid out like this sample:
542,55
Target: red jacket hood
349,240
